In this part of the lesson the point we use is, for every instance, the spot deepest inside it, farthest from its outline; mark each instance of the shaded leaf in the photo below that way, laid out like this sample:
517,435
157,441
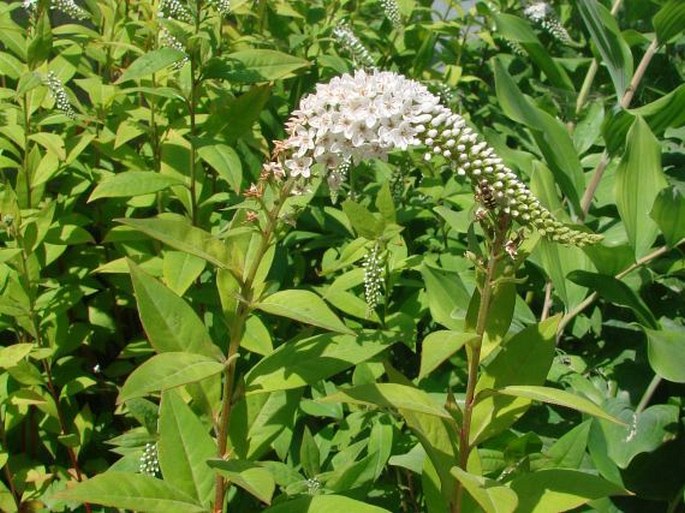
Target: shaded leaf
249,476
489,494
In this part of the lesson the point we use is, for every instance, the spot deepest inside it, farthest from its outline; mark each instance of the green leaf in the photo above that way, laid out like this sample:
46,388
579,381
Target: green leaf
489,494
550,134
225,162
448,298
303,306
236,120
137,492
362,220
569,450
180,270
666,351
181,235
168,370
639,179
554,490
254,66
616,292
639,433
307,361
669,21
439,346
607,37
555,396
385,203
12,355
169,322
390,395
325,503
132,183
52,143
310,458
669,213
184,447
249,476
525,359
150,63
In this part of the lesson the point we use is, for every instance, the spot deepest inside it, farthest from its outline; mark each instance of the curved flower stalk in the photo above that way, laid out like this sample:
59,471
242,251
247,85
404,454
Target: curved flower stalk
392,12
352,45
542,14
369,115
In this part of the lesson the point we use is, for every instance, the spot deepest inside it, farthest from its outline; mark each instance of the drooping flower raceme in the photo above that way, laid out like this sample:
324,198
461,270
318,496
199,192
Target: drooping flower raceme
58,92
351,43
542,13
369,115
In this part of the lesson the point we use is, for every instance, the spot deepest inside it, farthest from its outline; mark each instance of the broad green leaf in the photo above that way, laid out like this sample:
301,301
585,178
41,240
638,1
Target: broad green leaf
492,496
385,203
639,179
607,37
256,337
150,63
325,503
555,490
180,270
448,298
616,292
132,183
390,395
666,350
669,21
12,355
352,475
136,492
225,162
181,235
550,134
52,143
525,359
249,476
236,120
555,396
640,432
66,235
569,450
669,213
169,322
254,66
380,444
168,370
307,361
517,29
362,220
439,346
303,306
184,447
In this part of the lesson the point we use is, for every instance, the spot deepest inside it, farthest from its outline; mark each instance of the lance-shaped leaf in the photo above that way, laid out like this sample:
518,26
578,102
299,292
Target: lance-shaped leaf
669,213
669,21
439,346
303,306
254,66
132,183
168,370
137,492
320,503
490,495
249,476
666,350
150,63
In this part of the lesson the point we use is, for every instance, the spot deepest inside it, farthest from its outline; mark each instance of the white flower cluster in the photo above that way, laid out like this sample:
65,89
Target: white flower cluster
168,40
58,92
543,14
149,464
174,9
374,265
69,7
29,5
336,177
368,115
392,12
351,43
223,6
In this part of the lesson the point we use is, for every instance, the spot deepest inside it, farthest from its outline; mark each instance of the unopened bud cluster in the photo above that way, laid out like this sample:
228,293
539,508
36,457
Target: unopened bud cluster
352,45
222,6
149,464
392,12
168,40
174,9
337,177
369,115
374,269
70,8
58,92
542,14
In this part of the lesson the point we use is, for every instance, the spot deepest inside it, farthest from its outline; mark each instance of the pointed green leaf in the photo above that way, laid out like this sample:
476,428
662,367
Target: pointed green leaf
325,503
555,396
669,213
448,298
51,142
132,183
390,395
303,306
669,21
569,450
136,492
225,162
362,220
184,447
639,179
439,346
150,63
554,490
253,66
168,370
310,458
490,495
169,322
666,351
310,360
249,476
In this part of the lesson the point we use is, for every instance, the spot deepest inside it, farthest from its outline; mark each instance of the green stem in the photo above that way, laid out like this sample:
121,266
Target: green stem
8,470
473,352
236,333
649,393
27,142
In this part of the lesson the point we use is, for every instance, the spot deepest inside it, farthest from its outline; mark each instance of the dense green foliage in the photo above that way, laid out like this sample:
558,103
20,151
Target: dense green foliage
183,330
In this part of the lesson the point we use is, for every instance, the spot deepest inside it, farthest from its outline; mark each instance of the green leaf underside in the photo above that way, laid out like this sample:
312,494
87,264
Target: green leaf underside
137,492
249,476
